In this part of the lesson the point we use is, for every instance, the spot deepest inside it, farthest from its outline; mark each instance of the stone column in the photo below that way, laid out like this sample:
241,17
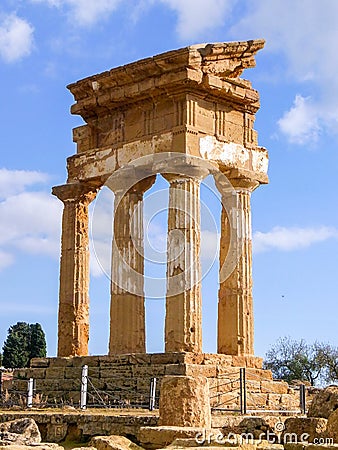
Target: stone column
73,321
235,303
183,320
127,309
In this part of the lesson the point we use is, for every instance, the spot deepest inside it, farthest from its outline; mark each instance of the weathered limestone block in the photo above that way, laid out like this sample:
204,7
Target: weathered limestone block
113,361
20,432
274,401
253,386
59,362
113,443
184,402
257,400
252,362
73,373
274,387
218,359
114,372
314,427
161,436
36,373
54,372
191,370
290,401
324,403
332,426
39,362
258,427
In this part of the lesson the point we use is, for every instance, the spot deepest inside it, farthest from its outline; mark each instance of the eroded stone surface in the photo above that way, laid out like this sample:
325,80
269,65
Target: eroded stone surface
314,427
19,432
113,443
184,402
332,426
324,403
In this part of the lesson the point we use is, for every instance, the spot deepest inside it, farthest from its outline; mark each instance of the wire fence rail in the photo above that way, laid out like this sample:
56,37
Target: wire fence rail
233,391
239,393
90,396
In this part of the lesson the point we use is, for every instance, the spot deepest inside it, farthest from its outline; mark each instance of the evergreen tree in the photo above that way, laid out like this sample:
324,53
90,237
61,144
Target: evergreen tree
38,342
16,346
23,343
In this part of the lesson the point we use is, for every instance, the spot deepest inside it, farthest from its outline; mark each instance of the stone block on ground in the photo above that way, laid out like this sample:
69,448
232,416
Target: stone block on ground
184,402
312,426
113,443
162,436
332,426
20,432
324,403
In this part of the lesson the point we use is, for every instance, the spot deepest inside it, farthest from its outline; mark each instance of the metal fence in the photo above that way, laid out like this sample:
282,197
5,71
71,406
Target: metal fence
233,392
90,396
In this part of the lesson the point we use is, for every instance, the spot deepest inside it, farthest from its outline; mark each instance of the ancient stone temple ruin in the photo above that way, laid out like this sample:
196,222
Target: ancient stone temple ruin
184,115
188,102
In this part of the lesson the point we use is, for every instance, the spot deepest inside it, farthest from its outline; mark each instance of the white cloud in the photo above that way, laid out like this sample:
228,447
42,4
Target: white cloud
300,123
195,17
15,181
30,220
289,239
305,36
16,38
209,245
84,12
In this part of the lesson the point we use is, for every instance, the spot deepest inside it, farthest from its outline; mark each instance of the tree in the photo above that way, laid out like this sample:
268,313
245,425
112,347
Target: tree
291,360
23,342
329,358
37,342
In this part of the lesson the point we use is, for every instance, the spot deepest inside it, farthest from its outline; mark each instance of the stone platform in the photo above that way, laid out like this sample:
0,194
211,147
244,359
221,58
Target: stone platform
124,380
80,426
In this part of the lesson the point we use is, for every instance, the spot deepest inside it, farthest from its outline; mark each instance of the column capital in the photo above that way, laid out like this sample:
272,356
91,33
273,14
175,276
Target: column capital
190,173
245,184
71,192
130,180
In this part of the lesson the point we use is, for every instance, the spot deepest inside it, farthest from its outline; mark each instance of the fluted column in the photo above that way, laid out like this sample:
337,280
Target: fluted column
183,320
127,309
235,303
73,317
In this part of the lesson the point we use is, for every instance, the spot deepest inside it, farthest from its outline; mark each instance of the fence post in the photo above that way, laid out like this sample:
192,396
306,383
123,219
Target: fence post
0,384
242,387
152,396
302,398
84,385
30,393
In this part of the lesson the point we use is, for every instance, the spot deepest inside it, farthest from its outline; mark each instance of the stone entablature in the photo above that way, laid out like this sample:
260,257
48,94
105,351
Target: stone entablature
190,101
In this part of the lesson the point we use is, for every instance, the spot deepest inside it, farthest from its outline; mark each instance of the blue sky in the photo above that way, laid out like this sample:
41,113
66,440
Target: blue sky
47,44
